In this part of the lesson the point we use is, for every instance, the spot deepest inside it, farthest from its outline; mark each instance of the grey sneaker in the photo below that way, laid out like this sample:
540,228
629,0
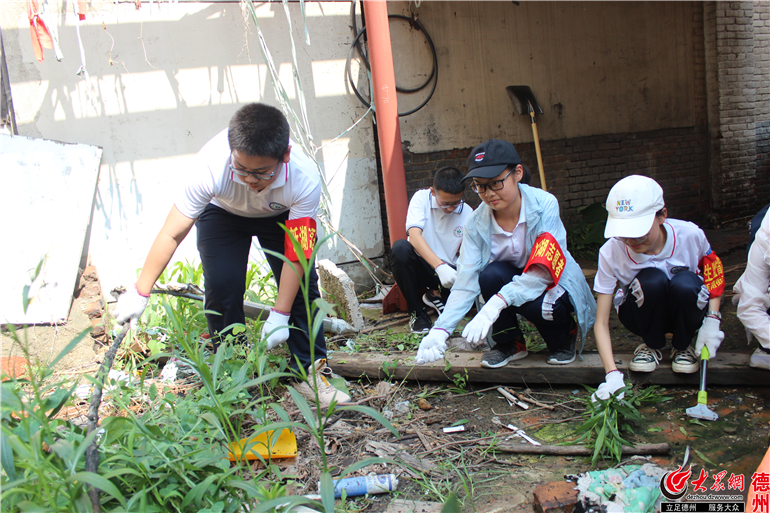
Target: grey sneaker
420,323
685,361
760,359
645,359
502,354
565,355
434,302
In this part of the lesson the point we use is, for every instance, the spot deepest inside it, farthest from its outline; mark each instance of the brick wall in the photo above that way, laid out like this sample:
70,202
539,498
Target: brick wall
581,171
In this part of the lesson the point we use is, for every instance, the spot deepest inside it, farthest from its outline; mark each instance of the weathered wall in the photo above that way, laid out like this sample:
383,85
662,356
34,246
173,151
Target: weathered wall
594,67
674,90
163,80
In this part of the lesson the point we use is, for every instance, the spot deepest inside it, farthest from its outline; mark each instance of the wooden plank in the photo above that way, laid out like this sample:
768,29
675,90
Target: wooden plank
728,369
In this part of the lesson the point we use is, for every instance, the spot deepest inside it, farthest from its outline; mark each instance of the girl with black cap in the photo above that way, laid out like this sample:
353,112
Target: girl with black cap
514,253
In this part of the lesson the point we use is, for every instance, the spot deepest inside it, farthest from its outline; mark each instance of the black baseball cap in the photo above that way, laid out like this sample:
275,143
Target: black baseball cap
490,158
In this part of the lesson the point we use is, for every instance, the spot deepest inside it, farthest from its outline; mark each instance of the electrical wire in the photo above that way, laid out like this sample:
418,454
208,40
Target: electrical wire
357,46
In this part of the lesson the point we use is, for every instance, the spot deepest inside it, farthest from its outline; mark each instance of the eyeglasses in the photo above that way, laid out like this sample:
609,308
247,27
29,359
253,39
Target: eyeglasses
253,174
448,206
494,185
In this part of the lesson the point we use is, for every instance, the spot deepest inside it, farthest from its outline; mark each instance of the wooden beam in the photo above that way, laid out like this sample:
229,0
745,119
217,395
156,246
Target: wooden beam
728,369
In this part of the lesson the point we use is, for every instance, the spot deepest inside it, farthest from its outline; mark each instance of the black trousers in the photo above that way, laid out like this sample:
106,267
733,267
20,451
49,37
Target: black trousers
413,275
224,240
555,331
669,306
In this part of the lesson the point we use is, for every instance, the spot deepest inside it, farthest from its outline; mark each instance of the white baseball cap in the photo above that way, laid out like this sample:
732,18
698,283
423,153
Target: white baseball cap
631,205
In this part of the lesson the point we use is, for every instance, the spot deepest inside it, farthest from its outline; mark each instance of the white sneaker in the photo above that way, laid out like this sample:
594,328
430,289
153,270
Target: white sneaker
645,359
760,359
684,361
317,375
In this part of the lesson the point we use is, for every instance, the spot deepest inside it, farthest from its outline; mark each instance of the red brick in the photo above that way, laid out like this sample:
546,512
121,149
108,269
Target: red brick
13,367
555,497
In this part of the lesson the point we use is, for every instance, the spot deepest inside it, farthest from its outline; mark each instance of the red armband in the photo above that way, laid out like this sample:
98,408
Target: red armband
304,231
713,274
548,253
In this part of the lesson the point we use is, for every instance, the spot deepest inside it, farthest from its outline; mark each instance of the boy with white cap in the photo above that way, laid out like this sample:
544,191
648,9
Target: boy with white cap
668,278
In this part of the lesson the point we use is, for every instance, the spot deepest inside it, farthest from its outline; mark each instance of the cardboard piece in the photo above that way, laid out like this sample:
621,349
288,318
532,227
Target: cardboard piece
48,192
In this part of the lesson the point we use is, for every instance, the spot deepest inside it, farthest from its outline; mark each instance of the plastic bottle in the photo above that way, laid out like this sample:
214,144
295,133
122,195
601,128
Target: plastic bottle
355,486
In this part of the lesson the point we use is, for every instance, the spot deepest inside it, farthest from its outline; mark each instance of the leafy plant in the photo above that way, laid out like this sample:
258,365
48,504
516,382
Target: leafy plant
585,231
607,418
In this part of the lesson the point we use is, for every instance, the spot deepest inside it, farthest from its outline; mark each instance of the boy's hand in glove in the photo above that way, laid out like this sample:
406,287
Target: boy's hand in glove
477,329
276,328
446,275
130,307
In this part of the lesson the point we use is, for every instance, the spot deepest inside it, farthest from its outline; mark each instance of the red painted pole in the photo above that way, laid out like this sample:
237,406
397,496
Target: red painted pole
386,109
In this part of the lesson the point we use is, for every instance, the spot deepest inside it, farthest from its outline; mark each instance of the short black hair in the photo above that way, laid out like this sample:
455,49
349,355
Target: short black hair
259,130
448,180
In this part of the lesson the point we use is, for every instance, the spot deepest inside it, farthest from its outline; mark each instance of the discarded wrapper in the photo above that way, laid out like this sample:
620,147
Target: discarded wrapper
355,486
454,429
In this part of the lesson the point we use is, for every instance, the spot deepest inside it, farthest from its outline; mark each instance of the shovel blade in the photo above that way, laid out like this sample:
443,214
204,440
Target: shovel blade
701,411
522,97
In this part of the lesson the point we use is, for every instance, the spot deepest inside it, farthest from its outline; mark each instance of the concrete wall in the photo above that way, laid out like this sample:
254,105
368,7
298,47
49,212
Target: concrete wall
594,67
163,80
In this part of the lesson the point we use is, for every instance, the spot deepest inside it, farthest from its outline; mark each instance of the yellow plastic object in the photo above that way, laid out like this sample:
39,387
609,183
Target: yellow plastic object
284,447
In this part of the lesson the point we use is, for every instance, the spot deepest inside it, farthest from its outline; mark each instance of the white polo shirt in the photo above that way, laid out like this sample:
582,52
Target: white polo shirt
297,188
686,245
443,231
511,246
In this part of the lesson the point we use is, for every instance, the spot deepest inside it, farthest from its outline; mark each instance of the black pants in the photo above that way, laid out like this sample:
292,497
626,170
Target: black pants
413,275
556,331
669,306
224,240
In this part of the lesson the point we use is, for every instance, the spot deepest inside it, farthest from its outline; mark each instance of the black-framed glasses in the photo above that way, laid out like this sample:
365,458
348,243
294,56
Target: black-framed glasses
452,206
254,174
494,185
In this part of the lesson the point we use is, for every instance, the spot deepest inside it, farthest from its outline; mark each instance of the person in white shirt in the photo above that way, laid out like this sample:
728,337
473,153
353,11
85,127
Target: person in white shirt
427,259
248,180
668,281
752,295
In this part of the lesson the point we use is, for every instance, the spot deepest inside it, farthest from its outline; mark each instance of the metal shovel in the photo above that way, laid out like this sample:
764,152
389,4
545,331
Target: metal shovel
524,100
700,410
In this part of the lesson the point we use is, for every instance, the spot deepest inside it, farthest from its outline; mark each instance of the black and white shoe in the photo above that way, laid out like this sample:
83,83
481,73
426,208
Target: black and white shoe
420,323
434,302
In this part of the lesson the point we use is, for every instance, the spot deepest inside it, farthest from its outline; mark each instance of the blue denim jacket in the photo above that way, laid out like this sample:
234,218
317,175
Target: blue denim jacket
542,212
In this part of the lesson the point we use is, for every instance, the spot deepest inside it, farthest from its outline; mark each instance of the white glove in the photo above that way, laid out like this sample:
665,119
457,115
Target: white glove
477,329
710,336
446,275
613,382
432,346
276,328
130,307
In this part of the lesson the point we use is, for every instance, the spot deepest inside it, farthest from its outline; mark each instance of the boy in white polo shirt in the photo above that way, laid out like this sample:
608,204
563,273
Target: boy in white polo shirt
248,180
434,226
668,278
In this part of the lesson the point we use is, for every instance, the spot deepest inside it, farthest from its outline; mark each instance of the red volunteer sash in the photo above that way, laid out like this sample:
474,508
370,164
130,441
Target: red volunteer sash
304,230
549,254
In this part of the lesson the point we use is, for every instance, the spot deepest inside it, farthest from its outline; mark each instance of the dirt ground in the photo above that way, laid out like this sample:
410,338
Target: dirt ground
492,481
